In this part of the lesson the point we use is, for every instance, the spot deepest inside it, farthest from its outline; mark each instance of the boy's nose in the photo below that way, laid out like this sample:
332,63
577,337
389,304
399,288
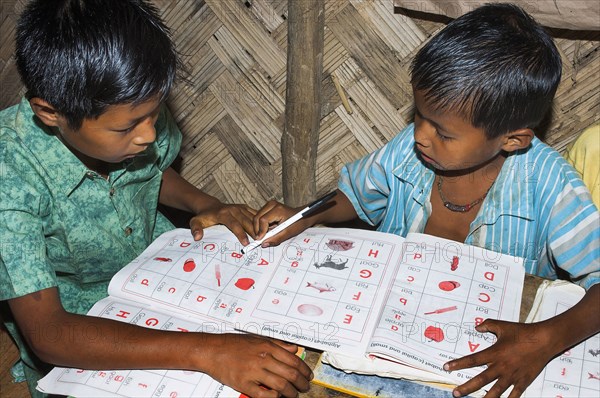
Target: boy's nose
423,134
145,133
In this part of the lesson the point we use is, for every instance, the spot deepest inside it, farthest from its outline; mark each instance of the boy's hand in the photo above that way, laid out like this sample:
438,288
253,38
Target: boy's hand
259,367
272,214
518,356
238,218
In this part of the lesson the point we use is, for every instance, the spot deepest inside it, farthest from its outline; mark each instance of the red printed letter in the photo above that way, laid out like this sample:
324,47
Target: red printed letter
473,347
373,253
365,273
484,297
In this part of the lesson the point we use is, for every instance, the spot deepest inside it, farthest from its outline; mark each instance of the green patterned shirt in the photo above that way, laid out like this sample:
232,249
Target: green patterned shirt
64,225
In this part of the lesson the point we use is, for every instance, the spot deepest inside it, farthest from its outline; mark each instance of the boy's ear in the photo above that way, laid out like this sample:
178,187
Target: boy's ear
517,139
45,112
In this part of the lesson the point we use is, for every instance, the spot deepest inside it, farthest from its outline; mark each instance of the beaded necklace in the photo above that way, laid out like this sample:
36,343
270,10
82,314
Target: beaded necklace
459,208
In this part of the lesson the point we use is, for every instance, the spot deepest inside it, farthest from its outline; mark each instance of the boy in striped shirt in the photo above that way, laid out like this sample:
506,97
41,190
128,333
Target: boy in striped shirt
470,169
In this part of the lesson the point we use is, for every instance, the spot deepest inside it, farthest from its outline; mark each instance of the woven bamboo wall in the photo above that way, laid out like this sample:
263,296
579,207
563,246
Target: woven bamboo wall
231,108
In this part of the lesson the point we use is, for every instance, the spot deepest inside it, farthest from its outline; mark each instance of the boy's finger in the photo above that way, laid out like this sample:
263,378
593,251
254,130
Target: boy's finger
261,223
250,210
197,233
294,361
256,390
468,361
291,347
287,379
476,383
498,388
245,218
238,230
197,228
266,221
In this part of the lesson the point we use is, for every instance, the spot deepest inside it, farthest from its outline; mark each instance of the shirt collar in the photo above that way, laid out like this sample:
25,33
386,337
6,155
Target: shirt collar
65,169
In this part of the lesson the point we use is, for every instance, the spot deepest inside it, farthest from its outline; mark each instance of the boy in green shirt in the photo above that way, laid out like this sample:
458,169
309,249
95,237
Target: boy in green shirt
84,160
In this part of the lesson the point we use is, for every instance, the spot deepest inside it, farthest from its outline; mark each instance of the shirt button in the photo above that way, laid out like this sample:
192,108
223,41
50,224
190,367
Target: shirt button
128,231
111,193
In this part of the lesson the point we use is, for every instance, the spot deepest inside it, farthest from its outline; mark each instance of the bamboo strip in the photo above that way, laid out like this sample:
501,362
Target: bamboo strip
254,122
250,34
341,93
243,69
265,12
361,129
400,34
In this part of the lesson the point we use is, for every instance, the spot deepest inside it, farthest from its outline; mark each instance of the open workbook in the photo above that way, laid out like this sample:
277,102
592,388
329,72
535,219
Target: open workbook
573,374
414,300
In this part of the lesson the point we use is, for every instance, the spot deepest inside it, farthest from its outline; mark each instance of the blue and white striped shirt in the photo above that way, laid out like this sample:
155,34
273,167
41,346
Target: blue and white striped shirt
538,208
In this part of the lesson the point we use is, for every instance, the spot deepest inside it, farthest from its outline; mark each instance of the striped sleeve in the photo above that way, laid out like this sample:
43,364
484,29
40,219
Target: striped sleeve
574,232
367,181
364,182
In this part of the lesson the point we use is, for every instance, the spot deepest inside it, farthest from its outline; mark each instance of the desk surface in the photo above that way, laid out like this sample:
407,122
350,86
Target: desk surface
312,356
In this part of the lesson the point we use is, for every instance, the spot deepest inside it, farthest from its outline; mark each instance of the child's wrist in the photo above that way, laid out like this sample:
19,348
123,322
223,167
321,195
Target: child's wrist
205,348
203,205
554,338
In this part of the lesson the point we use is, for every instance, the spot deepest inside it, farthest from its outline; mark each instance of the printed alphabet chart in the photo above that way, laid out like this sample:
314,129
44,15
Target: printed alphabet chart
575,373
442,290
208,279
137,383
414,300
327,289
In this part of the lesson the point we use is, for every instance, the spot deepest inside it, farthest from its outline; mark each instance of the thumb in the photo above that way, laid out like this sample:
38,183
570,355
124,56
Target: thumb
197,228
291,347
487,326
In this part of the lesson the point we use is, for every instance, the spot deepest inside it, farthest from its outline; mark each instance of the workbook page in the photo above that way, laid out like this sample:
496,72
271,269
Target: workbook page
576,372
327,289
137,383
442,290
210,279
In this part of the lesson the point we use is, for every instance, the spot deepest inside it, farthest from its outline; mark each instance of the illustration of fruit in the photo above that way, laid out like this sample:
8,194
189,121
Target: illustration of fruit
434,333
189,265
448,286
244,283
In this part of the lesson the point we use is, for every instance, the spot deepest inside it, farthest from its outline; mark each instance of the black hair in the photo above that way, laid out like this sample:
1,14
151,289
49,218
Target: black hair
494,66
82,56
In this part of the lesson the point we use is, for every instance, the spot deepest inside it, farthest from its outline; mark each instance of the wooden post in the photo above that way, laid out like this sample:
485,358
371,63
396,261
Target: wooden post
306,25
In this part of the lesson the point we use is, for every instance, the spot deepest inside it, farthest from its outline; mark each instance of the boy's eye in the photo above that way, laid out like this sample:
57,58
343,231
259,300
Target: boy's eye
442,136
127,130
